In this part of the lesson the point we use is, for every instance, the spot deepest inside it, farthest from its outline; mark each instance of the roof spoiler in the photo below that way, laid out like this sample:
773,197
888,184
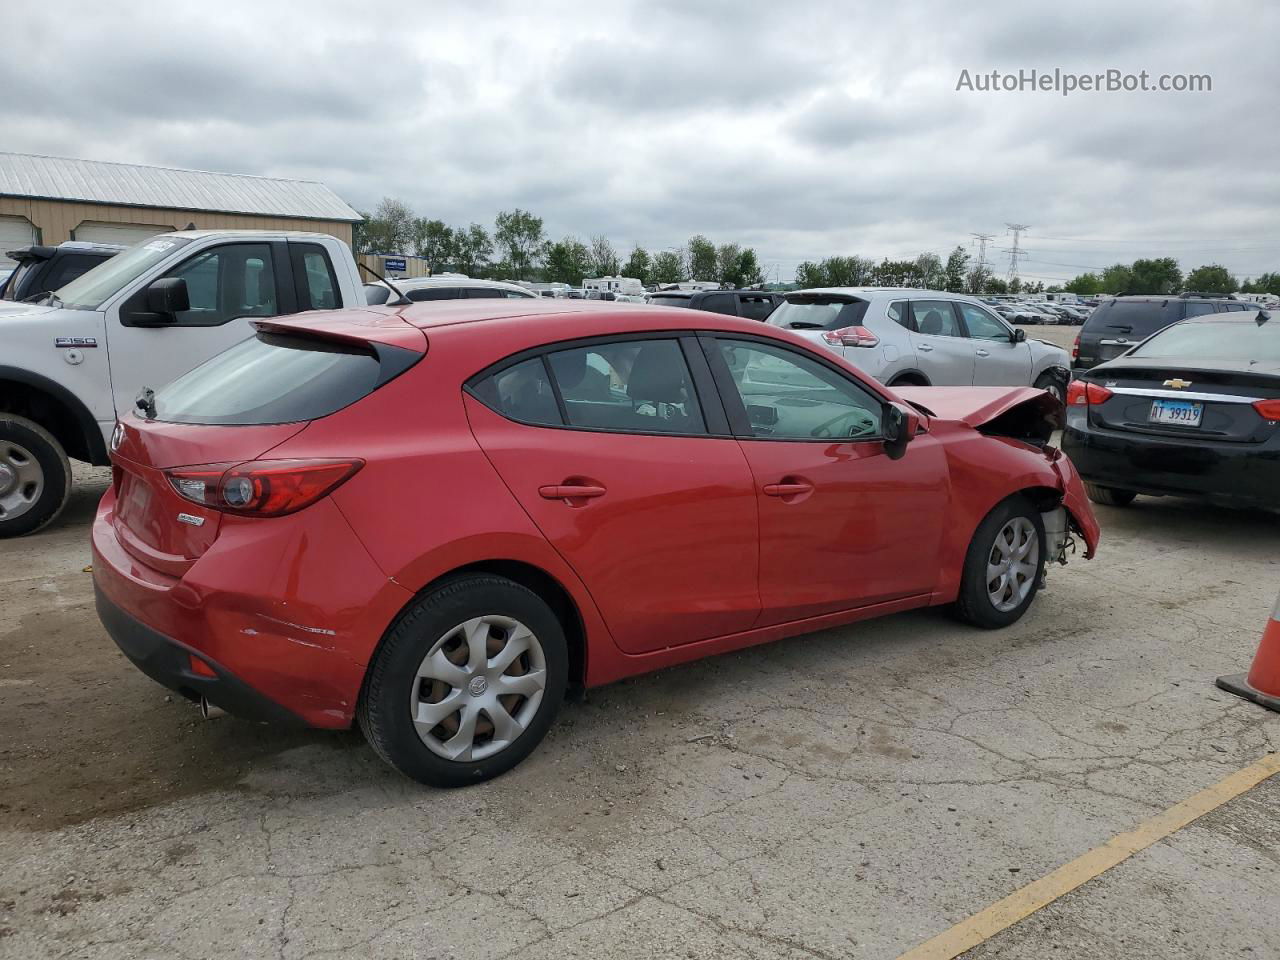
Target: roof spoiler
36,251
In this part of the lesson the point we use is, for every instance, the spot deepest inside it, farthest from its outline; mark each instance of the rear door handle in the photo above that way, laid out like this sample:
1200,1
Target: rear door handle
570,491
787,489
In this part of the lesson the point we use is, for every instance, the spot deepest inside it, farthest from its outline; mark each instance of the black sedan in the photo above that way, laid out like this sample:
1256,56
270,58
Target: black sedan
1193,410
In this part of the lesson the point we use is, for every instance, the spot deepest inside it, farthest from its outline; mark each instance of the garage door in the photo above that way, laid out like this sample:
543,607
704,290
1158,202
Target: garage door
14,232
128,234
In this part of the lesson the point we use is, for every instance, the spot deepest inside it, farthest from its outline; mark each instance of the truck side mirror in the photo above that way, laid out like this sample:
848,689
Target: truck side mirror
168,297
899,426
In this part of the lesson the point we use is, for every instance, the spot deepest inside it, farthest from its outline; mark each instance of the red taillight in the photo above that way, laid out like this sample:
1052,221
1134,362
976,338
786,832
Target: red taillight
262,488
1268,409
1075,348
1081,393
851,337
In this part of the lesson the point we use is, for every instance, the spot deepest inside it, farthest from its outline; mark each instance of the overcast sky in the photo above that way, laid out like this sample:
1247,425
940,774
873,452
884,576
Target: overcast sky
802,129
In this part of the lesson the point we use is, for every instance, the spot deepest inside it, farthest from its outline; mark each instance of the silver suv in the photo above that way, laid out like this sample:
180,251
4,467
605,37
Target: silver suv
923,338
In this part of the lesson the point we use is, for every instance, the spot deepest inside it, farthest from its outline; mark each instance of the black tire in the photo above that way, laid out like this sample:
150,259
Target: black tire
974,604
908,380
384,708
1109,496
1053,385
21,434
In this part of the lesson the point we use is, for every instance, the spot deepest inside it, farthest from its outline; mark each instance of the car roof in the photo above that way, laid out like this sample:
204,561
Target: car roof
413,283
866,292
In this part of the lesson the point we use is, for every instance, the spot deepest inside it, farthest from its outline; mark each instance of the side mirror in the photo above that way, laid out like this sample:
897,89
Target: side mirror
168,297
1019,335
899,425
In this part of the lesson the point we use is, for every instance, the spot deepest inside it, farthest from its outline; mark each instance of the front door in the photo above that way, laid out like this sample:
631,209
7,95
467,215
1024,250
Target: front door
943,353
999,361
228,286
610,452
841,524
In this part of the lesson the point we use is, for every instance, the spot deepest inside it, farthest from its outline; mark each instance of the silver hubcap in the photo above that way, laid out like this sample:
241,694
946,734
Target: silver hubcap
478,688
21,480
1012,564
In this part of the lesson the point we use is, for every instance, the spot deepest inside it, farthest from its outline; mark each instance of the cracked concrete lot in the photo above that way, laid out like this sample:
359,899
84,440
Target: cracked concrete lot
847,794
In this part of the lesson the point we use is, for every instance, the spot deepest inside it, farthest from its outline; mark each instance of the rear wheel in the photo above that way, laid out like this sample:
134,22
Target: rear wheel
1003,566
1109,496
467,683
35,476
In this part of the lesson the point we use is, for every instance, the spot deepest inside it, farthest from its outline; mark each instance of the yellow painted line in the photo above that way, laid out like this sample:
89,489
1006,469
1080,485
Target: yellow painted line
1003,914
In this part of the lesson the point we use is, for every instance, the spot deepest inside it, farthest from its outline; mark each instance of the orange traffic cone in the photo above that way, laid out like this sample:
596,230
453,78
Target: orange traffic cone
1262,685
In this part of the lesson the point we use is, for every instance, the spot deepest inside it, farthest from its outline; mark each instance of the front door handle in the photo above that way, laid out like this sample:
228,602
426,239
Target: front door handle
792,489
924,348
984,353
571,491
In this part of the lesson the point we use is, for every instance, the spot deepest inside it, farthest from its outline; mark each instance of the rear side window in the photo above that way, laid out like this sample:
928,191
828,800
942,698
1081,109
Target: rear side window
669,301
1199,309
755,308
638,386
1137,318
816,312
434,293
319,285
273,378
522,392
719,303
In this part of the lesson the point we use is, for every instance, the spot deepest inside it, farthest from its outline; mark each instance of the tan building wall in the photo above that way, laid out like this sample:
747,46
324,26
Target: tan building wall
57,219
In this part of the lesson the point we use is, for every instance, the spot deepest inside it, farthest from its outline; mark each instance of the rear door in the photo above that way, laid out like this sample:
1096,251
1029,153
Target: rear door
841,525
999,361
943,353
619,451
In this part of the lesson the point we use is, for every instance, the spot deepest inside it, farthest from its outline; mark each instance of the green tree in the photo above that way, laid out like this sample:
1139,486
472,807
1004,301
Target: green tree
895,273
518,234
568,261
604,259
1087,284
995,285
667,267
1159,276
702,258
638,265
472,249
1267,283
1116,279
1213,278
727,255
749,272
956,270
433,241
929,272
836,272
389,229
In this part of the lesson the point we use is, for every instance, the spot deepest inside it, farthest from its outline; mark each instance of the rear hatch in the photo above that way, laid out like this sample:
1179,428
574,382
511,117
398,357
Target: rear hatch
171,458
1116,326
813,314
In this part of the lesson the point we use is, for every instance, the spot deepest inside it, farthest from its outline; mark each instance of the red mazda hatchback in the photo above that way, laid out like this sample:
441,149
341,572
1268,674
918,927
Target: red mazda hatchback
435,521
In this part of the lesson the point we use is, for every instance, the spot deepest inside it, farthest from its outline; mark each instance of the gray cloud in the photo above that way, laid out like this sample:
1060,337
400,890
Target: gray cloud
817,128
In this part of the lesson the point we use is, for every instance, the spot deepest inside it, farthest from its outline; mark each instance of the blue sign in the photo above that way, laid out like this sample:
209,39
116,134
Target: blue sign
399,264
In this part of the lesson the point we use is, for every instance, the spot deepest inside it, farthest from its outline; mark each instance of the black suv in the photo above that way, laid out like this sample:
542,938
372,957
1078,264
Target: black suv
1118,324
752,304
43,269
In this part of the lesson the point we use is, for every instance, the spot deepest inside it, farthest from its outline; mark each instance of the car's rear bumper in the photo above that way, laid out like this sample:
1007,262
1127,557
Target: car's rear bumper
1243,474
172,664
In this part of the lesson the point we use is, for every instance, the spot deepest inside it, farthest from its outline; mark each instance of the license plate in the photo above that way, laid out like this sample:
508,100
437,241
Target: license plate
1178,413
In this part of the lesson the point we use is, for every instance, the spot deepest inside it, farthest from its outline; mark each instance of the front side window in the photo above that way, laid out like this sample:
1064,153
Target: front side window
226,282
791,397
982,325
640,386
934,318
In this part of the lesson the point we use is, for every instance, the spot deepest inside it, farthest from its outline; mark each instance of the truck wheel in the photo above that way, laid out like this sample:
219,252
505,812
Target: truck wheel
1109,496
35,476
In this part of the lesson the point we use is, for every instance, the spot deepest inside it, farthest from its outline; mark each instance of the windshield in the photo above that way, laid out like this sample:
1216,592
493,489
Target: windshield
91,290
818,313
1258,342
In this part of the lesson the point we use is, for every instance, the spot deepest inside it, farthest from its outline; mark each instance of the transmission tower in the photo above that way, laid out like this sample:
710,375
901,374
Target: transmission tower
983,239
1016,251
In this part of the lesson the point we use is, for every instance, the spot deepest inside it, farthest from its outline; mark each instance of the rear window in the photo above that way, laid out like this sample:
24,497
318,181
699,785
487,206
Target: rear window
272,378
1135,318
818,313
1259,342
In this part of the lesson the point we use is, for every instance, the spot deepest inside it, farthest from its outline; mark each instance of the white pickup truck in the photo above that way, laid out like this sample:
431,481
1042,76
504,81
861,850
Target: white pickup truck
71,362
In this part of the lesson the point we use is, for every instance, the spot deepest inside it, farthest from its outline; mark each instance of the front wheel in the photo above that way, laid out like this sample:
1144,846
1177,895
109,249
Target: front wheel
1003,566
1109,496
35,476
1051,385
467,682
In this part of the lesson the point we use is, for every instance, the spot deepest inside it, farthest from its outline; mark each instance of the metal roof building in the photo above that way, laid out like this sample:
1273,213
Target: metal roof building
52,199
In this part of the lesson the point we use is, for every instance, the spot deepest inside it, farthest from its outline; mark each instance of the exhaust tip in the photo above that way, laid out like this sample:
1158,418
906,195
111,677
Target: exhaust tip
210,712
